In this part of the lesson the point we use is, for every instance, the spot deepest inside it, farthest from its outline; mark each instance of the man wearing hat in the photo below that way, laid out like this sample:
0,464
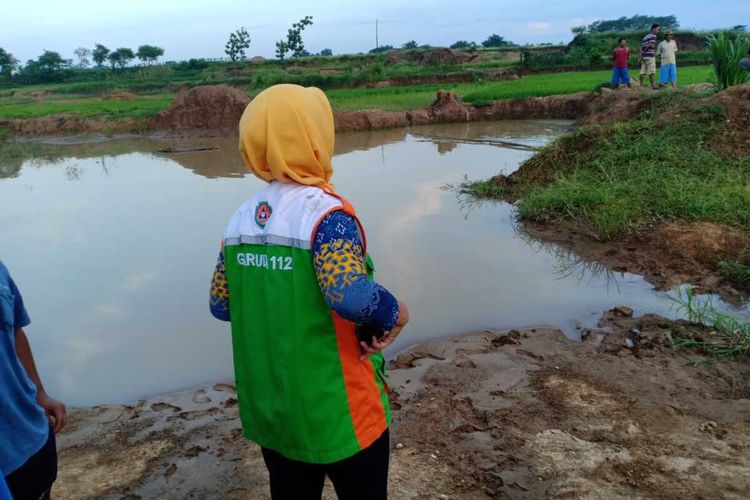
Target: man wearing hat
667,51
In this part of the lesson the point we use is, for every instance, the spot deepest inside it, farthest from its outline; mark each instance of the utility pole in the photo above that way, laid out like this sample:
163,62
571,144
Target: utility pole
377,41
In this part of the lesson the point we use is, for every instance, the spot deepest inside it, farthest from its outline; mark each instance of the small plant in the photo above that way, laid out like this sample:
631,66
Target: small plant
726,54
730,336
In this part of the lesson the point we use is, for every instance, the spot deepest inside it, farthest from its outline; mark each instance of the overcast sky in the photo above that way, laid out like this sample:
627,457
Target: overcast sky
194,28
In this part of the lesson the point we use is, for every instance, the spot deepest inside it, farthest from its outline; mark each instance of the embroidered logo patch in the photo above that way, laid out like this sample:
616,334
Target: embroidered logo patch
262,213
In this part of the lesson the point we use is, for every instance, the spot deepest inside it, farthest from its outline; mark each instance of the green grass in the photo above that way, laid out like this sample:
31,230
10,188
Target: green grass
566,83
730,336
140,107
61,98
607,182
418,96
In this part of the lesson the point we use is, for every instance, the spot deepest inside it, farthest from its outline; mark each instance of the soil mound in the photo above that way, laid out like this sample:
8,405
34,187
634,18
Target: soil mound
215,109
433,57
446,108
610,107
735,141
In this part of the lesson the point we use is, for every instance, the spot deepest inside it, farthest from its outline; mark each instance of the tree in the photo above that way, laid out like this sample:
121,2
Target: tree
100,54
149,53
51,61
578,30
8,63
463,44
739,27
83,54
121,57
48,67
496,41
293,42
326,52
238,42
634,23
410,45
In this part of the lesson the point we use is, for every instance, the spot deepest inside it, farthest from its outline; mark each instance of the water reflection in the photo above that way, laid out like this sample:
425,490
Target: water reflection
115,265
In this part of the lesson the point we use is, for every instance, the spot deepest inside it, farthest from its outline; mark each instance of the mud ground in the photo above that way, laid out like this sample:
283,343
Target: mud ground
520,414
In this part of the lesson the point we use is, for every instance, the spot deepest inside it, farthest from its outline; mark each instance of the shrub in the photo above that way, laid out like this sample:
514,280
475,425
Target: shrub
726,54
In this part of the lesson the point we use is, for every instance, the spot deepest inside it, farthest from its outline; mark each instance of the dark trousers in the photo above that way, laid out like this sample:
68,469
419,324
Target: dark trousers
363,476
33,480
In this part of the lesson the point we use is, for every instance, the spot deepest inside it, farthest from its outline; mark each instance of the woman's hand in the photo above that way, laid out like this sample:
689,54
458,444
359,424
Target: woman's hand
54,409
378,345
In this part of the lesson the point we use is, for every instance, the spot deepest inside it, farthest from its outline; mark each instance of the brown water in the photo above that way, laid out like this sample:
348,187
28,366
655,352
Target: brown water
113,247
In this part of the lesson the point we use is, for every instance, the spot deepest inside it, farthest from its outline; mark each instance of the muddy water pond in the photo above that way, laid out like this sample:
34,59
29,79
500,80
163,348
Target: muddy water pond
113,244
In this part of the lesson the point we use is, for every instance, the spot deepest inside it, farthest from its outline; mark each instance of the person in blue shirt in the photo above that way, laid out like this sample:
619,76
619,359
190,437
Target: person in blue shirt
29,417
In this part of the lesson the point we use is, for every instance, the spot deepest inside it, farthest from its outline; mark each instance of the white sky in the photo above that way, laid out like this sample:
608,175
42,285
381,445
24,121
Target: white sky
193,28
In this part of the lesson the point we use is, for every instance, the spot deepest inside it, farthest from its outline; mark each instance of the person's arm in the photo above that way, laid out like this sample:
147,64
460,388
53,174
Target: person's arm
219,298
53,408
339,259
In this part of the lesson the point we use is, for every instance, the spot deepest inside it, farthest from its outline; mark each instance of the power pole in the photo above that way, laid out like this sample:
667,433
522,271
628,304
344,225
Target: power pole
377,41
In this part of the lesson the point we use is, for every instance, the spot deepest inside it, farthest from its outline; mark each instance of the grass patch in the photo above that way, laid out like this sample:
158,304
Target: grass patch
26,107
566,83
482,93
610,181
730,336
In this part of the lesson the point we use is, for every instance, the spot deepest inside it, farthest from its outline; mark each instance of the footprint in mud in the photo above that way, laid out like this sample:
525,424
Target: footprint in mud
225,388
200,397
165,406
193,415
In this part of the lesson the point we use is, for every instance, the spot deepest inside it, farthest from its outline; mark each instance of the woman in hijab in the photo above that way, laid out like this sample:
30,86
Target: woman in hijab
308,320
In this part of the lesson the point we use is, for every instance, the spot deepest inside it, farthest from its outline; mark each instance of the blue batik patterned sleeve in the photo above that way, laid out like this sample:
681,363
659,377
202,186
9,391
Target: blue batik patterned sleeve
219,299
338,254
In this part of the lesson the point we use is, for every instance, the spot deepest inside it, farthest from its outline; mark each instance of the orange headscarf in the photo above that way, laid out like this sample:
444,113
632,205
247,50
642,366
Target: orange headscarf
287,134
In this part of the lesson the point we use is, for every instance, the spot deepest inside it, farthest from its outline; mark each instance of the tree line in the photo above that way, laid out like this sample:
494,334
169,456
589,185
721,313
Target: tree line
50,65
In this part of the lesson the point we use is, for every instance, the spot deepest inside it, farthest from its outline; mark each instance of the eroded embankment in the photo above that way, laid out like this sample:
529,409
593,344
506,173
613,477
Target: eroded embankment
216,110
656,186
521,414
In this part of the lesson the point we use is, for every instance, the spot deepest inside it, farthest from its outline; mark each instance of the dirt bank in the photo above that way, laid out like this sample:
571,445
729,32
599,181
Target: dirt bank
215,111
447,108
667,251
517,415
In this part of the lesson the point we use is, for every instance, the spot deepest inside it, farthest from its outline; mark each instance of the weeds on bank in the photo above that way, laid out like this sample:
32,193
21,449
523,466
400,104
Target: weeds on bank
726,52
730,336
611,181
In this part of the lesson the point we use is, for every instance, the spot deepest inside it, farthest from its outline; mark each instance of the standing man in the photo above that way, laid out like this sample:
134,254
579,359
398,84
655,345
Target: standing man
29,418
667,51
648,55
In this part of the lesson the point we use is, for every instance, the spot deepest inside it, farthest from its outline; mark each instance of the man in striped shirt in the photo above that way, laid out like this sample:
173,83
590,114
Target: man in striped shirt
648,55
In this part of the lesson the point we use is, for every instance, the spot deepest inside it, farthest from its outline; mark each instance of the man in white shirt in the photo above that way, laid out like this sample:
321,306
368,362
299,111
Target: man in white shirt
667,51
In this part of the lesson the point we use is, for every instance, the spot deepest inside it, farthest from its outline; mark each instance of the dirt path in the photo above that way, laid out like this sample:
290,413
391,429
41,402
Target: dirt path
517,415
